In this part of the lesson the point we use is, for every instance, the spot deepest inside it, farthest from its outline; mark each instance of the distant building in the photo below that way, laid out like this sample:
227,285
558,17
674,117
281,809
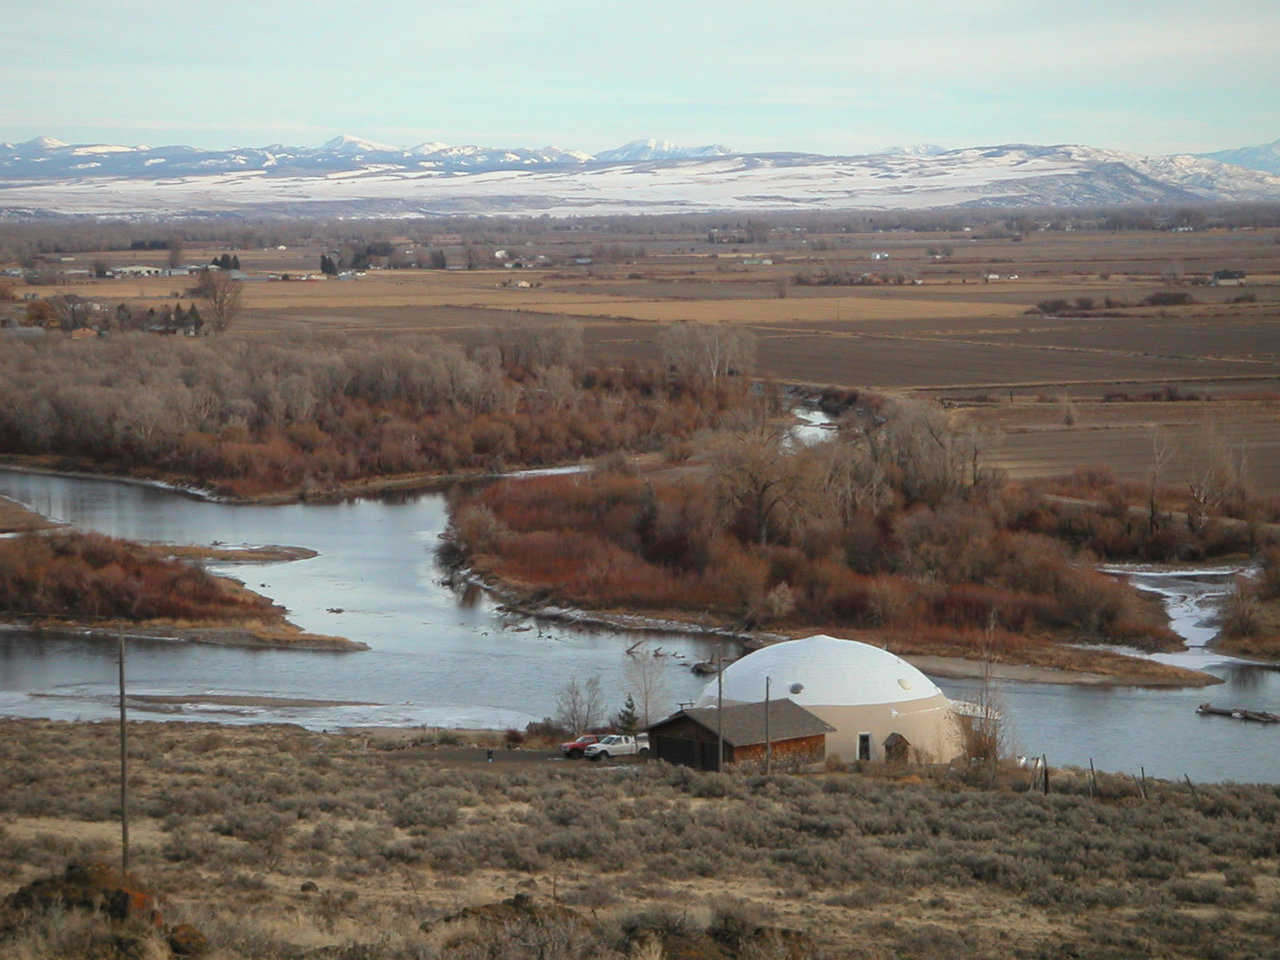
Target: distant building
865,693
1228,278
691,737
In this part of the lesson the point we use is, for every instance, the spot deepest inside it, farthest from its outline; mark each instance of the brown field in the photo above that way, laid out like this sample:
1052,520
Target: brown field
1034,441
952,336
279,843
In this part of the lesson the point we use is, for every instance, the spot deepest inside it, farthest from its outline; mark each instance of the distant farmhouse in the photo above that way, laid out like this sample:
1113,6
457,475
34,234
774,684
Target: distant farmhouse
790,735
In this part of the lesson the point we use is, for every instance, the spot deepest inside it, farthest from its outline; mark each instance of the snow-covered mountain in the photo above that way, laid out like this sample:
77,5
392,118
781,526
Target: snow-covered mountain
347,145
915,150
1264,157
639,150
44,157
357,177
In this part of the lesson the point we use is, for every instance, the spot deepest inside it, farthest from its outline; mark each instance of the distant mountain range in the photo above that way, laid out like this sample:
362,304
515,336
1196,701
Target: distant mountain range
1264,157
46,158
353,176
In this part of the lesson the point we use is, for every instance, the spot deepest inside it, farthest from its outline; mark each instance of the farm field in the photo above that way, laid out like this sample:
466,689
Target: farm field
946,332
1034,441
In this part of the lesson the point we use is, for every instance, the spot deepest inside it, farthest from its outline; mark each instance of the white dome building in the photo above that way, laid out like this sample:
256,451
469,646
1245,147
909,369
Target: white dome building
866,693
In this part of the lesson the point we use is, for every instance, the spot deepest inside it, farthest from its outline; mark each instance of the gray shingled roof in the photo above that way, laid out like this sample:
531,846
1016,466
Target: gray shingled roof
744,723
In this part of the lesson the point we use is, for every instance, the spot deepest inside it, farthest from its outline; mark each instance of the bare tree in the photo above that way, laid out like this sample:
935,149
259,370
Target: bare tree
1217,473
224,295
580,706
852,479
707,351
70,311
752,473
1161,454
983,735
647,680
521,343
917,442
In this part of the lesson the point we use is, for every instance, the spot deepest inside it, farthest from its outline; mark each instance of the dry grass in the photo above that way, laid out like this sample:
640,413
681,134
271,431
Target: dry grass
231,822
15,518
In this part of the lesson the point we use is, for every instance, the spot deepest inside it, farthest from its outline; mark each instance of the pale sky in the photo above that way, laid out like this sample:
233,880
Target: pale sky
851,77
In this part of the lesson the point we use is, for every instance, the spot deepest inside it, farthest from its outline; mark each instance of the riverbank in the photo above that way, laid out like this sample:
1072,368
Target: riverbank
19,518
90,586
1050,662
213,493
221,553
1125,674
281,634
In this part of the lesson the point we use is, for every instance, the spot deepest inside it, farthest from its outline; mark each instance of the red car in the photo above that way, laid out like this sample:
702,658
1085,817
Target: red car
574,749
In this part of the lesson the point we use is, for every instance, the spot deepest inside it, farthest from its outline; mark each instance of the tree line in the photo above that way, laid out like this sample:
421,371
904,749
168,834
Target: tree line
253,415
899,525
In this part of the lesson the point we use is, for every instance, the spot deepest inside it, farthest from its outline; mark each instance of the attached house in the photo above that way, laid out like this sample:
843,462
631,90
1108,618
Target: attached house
691,736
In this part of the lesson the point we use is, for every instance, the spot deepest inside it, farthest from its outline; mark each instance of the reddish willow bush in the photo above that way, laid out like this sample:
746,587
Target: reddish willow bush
605,539
89,575
254,416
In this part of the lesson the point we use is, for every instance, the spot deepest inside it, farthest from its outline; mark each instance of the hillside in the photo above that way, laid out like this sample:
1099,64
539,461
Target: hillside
351,176
281,843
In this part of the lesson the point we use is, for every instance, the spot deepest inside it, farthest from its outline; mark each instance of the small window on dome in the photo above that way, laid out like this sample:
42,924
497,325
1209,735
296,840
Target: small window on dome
904,683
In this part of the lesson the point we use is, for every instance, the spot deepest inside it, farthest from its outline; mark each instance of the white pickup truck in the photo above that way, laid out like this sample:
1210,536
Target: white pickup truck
618,745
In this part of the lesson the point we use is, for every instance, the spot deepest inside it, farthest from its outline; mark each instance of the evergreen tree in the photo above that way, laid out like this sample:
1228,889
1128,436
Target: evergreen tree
626,719
194,319
235,262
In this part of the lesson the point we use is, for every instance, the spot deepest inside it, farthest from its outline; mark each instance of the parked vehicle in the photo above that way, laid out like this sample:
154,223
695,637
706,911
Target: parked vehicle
576,748
619,745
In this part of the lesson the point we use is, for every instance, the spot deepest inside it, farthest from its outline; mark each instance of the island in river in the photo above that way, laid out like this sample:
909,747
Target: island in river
63,583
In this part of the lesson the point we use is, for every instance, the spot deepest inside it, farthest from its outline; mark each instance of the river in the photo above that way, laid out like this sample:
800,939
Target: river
436,659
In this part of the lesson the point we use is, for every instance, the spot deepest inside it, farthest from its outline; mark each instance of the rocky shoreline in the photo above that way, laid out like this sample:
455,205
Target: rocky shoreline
283,636
515,600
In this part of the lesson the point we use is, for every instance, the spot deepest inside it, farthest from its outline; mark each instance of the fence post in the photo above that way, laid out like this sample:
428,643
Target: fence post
124,770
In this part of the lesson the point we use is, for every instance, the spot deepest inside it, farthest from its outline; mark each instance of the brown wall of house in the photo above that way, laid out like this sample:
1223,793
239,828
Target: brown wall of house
686,729
691,745
699,754
799,750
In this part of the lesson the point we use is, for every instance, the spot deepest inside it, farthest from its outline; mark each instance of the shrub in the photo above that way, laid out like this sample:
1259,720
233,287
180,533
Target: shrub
1164,298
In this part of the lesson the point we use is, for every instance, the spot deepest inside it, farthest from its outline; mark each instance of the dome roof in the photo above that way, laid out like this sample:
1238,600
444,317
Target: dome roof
822,671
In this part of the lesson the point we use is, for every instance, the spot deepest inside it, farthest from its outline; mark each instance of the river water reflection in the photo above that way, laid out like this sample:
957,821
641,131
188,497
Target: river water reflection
439,661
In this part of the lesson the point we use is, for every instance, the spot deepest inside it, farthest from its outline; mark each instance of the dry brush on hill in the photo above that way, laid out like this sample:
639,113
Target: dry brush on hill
280,843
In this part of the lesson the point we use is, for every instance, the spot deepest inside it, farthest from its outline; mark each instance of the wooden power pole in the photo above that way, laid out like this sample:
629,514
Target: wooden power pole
720,705
768,743
124,770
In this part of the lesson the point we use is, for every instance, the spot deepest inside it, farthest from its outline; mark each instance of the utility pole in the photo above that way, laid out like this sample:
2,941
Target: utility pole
124,771
768,743
719,705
